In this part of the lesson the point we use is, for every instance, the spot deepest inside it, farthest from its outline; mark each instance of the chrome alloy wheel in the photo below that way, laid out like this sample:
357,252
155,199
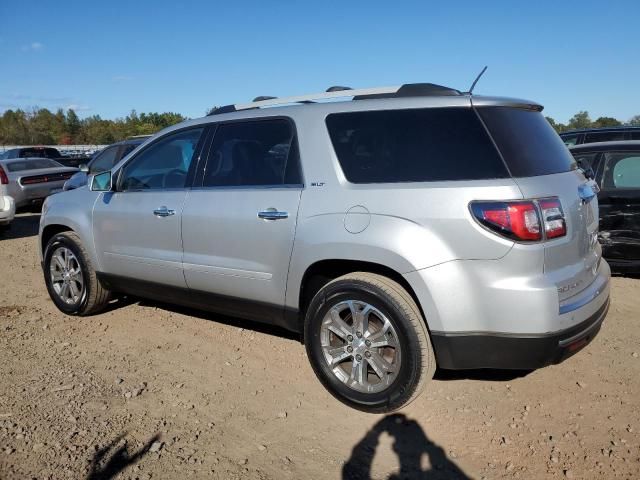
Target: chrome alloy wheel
360,346
66,276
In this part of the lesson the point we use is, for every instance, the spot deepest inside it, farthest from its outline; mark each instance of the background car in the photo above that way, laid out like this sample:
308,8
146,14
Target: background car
46,152
103,160
592,135
7,204
31,180
616,167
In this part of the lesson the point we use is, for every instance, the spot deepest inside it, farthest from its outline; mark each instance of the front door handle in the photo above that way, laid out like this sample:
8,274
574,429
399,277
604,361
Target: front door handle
272,214
163,212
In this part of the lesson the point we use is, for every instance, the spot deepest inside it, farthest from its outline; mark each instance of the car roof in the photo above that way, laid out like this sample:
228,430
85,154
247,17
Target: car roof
325,108
604,146
602,129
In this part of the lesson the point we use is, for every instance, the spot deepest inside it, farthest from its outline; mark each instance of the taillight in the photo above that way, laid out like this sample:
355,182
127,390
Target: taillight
514,220
4,180
522,220
553,218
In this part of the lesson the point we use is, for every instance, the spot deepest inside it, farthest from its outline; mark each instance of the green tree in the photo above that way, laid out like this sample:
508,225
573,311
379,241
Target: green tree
635,121
580,120
602,122
72,125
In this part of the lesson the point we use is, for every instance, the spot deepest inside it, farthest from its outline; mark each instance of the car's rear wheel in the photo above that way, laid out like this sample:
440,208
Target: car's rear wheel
368,343
71,278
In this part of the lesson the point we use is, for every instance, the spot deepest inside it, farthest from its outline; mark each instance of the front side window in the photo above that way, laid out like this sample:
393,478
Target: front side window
104,160
569,140
164,164
586,160
417,145
622,170
253,153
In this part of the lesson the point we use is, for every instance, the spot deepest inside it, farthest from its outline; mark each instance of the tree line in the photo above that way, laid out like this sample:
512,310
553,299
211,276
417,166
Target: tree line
583,120
40,126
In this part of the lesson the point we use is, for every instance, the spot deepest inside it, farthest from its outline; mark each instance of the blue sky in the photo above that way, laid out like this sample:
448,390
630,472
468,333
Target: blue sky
107,58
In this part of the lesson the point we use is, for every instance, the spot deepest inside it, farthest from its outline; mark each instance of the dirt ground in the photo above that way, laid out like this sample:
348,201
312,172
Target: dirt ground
149,391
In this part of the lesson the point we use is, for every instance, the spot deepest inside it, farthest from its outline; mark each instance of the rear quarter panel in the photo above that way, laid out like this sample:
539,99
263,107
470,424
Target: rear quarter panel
407,226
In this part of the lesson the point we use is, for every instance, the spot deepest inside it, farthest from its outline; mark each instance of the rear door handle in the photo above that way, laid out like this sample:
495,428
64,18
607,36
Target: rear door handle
272,214
163,212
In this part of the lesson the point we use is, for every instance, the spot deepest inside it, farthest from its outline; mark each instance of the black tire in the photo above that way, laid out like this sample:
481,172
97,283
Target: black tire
93,297
418,361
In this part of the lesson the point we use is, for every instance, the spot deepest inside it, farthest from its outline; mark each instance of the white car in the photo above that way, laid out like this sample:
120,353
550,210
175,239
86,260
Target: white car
7,204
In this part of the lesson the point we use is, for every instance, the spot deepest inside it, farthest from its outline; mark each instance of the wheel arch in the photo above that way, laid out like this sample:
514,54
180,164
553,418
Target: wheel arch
322,272
49,232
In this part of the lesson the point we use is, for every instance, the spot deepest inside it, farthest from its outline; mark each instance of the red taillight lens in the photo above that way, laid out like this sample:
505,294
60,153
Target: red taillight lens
514,220
4,180
520,220
553,218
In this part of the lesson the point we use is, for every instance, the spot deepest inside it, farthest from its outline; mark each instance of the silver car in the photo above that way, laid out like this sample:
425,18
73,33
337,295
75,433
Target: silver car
402,229
31,180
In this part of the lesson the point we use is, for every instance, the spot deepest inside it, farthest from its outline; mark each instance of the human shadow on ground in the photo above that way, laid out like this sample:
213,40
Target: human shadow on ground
109,461
411,444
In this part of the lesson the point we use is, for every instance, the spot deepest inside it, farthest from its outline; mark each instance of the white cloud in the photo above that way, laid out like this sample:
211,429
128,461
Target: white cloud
32,47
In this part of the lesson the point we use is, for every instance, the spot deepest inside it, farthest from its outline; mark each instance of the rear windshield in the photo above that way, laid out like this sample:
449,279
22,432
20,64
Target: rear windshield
31,164
529,145
39,152
417,145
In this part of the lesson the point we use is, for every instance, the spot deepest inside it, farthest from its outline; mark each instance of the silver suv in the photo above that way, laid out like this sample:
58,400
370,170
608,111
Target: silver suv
402,229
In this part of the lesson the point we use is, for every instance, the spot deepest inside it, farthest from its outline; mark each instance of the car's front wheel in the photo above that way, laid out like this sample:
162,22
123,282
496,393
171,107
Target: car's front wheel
367,342
70,276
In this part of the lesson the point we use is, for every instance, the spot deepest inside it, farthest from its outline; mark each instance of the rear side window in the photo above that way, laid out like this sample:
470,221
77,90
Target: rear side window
418,145
529,145
253,153
604,136
622,170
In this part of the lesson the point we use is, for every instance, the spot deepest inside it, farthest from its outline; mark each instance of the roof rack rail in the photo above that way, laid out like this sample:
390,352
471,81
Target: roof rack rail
406,90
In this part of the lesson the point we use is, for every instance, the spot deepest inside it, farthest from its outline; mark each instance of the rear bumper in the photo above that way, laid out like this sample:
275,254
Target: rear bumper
518,352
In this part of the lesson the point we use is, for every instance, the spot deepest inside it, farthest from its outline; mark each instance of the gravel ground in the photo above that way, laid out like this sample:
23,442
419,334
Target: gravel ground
150,391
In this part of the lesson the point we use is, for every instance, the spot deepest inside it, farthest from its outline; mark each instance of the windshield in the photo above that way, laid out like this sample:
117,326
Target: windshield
31,164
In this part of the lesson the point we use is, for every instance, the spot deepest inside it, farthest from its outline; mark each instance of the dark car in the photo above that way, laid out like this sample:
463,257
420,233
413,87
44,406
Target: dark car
103,160
44,152
616,169
592,135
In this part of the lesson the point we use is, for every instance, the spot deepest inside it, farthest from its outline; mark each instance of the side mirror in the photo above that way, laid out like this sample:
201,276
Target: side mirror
84,167
101,182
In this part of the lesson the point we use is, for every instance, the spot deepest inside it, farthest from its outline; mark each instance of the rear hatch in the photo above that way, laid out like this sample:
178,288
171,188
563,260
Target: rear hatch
543,167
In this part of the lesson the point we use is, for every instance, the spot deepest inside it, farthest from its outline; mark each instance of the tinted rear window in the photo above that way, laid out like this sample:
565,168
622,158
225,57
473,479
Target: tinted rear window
529,145
39,152
31,164
604,136
418,145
